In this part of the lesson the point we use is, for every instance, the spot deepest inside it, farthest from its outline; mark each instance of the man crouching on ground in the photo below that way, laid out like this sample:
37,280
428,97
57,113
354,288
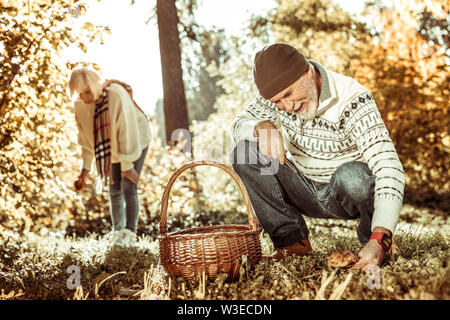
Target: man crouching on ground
312,143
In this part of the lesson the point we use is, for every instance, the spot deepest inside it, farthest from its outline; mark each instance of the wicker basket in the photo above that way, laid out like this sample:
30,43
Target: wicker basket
213,249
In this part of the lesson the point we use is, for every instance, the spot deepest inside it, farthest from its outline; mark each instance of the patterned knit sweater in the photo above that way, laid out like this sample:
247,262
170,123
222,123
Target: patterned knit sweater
347,127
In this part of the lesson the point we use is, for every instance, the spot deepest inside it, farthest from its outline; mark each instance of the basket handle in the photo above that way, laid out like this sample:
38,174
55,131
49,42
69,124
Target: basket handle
165,198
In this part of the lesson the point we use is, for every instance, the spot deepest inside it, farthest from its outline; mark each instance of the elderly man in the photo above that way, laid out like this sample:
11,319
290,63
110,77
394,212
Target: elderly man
312,143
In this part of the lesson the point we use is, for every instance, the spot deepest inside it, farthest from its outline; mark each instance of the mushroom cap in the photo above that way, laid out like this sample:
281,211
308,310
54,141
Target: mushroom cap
342,259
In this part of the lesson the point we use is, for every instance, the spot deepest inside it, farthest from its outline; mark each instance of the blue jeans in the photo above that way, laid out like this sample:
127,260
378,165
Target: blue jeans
281,199
124,200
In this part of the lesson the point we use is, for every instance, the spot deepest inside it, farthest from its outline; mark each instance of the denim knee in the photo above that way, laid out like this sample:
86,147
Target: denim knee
115,189
246,154
243,153
354,180
129,187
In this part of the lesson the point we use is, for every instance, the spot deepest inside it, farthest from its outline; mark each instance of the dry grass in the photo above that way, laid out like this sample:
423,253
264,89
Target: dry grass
35,267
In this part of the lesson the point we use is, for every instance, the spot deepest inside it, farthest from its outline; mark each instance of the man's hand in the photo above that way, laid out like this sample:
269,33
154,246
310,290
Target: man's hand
372,253
80,184
270,141
131,175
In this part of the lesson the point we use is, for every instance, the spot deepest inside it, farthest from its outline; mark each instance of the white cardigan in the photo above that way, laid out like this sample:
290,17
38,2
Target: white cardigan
347,127
130,129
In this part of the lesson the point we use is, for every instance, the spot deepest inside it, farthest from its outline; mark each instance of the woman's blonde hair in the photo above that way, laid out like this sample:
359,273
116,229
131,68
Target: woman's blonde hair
83,79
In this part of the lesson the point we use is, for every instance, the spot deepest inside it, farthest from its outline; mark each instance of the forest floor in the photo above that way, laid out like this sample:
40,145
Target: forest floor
34,266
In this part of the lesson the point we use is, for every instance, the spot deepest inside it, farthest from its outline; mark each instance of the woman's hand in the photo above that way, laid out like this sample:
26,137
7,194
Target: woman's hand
131,175
80,184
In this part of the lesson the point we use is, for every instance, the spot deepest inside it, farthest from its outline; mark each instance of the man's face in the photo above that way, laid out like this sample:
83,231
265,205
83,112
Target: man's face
301,97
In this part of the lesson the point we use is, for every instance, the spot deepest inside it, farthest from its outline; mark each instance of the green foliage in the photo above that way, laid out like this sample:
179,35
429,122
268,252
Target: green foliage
321,30
204,87
36,138
409,77
200,48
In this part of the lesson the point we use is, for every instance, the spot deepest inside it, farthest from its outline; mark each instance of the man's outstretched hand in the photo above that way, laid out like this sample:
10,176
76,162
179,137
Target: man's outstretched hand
371,254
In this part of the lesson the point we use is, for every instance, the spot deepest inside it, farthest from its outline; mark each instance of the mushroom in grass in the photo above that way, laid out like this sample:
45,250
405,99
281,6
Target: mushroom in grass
342,259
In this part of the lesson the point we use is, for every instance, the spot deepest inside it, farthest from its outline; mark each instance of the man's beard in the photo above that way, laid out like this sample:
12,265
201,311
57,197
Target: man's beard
308,110
310,104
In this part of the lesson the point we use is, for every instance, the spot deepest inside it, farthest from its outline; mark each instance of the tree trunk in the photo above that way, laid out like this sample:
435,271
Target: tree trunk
175,107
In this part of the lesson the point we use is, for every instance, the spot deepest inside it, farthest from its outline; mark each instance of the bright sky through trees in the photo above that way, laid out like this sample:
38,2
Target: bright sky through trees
131,52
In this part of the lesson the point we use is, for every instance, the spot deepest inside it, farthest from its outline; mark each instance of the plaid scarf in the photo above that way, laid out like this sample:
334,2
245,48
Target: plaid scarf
102,130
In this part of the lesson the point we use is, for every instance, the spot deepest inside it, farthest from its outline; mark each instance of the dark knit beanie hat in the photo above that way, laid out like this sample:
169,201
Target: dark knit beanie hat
276,67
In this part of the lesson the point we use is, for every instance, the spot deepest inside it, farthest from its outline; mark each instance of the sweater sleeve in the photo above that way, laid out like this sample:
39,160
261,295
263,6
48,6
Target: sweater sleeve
124,120
87,152
257,111
367,129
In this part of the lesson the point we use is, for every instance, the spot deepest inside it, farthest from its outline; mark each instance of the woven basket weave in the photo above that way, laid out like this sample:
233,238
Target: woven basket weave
213,249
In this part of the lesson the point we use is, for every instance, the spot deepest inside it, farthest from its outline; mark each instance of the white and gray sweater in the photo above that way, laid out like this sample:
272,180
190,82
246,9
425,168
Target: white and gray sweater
347,127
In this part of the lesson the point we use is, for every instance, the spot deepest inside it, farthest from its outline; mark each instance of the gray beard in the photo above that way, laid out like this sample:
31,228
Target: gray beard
310,115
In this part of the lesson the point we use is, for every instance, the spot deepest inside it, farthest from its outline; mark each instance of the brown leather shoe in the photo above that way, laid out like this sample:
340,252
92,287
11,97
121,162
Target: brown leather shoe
300,248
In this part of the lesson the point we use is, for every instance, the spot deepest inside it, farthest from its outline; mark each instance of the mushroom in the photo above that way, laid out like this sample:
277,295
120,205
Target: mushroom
342,259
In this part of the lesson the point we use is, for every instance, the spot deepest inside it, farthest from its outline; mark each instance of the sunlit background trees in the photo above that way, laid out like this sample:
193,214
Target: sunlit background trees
399,50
